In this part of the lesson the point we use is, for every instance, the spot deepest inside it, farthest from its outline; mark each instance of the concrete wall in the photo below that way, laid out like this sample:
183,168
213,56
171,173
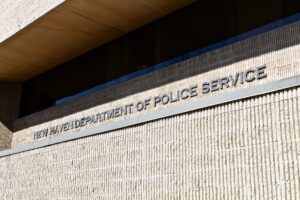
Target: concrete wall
17,14
246,149
242,150
10,94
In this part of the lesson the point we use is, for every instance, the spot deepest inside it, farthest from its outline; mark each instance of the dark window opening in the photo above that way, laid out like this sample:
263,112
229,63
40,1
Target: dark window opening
201,24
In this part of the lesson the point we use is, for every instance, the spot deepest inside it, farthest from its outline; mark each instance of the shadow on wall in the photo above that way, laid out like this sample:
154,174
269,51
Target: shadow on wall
275,40
10,95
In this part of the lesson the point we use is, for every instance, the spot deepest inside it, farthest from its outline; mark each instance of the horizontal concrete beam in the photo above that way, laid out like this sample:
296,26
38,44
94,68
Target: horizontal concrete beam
17,14
201,104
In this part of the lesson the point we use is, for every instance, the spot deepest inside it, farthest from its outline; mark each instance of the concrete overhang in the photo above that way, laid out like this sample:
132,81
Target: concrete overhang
70,28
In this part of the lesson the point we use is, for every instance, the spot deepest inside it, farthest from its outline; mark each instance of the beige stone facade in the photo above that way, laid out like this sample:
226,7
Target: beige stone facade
245,149
242,150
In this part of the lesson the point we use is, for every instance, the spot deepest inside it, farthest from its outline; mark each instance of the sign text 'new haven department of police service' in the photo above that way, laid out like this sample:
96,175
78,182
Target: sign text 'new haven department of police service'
159,100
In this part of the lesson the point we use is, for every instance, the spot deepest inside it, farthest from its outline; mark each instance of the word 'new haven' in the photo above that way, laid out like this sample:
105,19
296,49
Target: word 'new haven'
92,119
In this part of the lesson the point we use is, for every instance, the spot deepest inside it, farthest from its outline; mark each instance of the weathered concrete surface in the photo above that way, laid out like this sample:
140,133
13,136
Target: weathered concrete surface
17,14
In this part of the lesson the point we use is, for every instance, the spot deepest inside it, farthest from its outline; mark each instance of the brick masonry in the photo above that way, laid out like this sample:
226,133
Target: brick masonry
247,149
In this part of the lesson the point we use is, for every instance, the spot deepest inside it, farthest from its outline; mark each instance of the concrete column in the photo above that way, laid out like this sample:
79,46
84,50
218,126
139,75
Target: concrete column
10,94
5,137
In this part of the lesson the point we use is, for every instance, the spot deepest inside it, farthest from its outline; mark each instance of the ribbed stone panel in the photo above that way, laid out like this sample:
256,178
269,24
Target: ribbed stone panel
241,150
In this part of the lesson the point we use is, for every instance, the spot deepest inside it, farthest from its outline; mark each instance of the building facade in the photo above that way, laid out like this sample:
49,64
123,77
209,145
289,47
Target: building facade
222,122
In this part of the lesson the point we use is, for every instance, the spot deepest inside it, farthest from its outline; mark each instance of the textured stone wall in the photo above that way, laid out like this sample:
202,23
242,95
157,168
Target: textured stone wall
242,150
247,149
279,50
17,14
